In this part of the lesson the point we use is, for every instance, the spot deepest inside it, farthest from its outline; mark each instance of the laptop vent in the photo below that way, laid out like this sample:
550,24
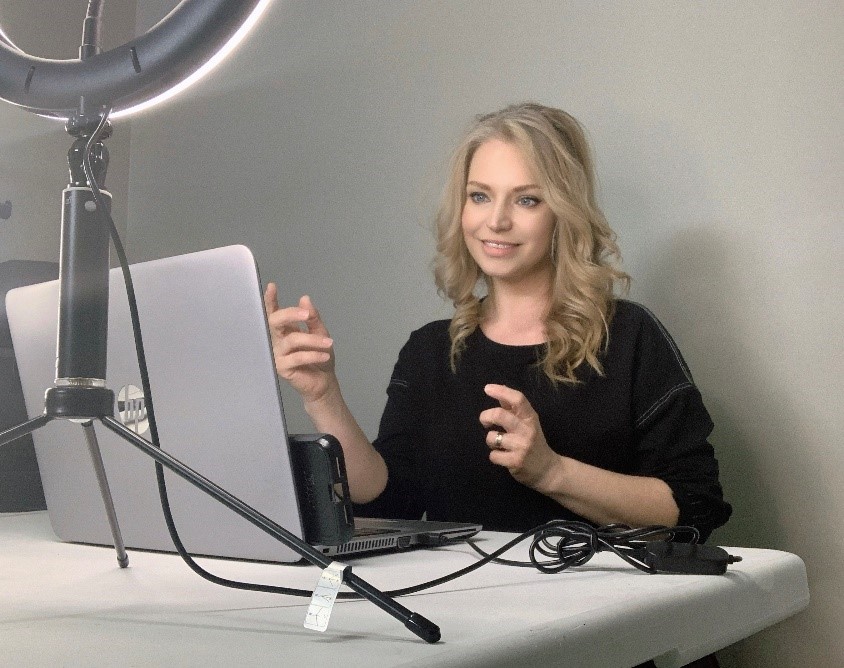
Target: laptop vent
363,546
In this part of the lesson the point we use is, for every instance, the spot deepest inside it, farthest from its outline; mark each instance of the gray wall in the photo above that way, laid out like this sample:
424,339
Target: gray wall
717,129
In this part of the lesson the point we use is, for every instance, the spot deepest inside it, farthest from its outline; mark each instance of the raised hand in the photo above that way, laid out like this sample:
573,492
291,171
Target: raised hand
302,349
515,438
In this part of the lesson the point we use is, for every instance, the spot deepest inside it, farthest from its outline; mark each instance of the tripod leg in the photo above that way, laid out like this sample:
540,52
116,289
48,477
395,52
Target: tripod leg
414,622
105,491
24,428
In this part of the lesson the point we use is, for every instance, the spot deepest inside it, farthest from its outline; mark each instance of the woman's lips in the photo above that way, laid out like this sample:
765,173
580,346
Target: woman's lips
498,248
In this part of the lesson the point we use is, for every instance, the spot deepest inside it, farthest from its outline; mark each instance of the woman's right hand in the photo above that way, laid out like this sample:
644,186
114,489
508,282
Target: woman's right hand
304,356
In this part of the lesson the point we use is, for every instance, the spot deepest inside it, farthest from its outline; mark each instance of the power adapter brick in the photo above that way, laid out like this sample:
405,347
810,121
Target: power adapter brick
689,558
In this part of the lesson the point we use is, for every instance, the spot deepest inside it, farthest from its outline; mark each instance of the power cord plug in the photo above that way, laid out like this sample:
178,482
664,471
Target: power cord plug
690,558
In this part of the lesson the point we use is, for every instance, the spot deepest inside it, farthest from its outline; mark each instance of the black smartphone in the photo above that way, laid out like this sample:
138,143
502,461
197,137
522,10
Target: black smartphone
322,488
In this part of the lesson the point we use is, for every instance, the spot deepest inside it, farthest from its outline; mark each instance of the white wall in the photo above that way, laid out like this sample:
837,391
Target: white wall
717,129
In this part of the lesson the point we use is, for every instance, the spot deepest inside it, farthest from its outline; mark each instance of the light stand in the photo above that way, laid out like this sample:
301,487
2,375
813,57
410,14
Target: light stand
79,392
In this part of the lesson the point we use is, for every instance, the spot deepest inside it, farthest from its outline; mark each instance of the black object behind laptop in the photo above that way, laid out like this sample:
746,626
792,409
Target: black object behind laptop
20,482
327,518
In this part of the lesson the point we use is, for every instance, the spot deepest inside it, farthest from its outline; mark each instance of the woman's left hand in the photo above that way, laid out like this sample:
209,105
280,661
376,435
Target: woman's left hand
515,438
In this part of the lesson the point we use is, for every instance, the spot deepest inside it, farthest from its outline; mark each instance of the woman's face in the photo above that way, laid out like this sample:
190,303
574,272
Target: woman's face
507,225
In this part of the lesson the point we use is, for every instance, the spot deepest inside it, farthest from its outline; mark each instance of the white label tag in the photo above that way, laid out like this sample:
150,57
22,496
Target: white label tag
322,600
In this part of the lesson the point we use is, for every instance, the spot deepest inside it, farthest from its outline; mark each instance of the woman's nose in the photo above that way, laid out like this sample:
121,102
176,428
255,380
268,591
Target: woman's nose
499,219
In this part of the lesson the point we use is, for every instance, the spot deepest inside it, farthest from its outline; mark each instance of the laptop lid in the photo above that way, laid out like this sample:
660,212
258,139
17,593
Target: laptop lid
217,405
218,408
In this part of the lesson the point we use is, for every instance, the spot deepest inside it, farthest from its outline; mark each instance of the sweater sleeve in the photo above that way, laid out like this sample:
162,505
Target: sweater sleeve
398,436
672,428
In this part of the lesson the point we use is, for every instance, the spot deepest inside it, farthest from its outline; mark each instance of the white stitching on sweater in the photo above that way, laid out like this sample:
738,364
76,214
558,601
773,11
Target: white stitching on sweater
661,401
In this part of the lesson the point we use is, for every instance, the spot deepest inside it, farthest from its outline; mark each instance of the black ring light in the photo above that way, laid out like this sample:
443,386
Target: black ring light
176,47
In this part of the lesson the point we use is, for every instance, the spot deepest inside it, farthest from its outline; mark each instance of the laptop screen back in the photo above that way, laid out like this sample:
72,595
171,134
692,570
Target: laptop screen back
216,401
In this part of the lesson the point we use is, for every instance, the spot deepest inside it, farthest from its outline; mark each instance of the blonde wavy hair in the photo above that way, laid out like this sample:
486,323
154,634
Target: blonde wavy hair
584,252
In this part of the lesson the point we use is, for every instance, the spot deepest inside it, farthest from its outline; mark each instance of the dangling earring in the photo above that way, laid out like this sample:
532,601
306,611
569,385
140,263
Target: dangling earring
554,245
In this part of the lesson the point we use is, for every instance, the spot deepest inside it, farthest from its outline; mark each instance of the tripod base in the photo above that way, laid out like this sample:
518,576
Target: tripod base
71,402
99,468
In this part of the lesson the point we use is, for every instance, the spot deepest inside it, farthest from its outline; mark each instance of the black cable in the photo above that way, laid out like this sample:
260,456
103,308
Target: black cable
559,544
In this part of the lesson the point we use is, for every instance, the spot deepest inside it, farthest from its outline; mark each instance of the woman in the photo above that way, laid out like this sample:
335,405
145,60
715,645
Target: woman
544,397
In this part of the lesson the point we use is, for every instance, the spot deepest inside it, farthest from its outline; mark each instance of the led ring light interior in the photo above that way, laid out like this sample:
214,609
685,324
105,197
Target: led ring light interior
173,54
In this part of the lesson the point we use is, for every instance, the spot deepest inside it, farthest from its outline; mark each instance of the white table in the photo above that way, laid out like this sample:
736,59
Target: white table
70,605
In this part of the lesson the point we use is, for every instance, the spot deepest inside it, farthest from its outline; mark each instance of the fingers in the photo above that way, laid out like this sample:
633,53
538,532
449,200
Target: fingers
303,342
302,359
499,417
515,437
271,298
514,408
514,420
509,399
280,320
290,319
299,336
495,440
507,449
303,353
284,321
312,321
298,351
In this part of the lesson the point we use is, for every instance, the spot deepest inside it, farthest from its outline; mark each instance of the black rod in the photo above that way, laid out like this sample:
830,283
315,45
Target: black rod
83,292
23,429
91,30
83,266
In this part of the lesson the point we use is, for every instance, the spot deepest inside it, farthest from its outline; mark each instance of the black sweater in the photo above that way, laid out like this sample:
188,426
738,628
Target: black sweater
643,417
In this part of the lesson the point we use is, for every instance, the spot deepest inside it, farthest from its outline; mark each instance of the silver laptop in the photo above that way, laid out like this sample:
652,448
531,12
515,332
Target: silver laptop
217,405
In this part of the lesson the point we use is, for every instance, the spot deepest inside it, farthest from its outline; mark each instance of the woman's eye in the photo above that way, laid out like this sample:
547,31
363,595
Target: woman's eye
528,201
478,198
